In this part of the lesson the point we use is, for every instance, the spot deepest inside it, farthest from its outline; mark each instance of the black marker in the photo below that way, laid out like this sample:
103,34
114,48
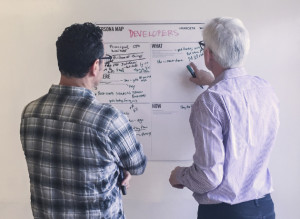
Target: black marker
120,179
192,72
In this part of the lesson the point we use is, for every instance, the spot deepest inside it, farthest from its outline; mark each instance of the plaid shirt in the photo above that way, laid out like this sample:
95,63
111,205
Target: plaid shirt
73,147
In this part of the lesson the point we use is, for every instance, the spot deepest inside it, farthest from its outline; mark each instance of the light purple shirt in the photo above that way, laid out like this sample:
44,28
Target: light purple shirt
234,123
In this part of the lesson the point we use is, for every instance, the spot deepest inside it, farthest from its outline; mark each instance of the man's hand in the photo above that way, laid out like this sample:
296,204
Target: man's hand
127,178
202,77
173,181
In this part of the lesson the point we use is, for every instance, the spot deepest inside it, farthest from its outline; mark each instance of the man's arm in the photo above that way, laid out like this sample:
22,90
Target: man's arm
206,172
125,145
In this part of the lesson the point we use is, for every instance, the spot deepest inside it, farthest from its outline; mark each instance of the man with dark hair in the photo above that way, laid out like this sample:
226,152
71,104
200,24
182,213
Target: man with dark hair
74,145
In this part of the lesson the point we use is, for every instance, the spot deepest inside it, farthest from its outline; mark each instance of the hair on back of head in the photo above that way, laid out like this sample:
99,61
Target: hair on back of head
228,40
77,49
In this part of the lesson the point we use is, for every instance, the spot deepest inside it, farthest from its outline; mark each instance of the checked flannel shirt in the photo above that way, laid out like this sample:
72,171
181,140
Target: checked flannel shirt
74,146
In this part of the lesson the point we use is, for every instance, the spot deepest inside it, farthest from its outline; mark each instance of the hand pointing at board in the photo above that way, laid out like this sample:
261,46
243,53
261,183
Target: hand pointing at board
202,77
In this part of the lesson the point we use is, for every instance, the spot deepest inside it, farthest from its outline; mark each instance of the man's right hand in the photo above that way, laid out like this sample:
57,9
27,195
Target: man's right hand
202,77
127,178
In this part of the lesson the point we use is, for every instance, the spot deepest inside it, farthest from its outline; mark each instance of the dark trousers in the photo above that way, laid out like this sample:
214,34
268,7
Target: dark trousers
262,208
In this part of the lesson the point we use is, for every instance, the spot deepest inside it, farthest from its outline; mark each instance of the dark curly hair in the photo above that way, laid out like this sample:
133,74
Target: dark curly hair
77,49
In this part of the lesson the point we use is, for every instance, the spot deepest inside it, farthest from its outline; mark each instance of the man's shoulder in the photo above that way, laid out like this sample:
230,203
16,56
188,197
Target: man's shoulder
229,87
238,84
34,104
104,113
105,109
214,92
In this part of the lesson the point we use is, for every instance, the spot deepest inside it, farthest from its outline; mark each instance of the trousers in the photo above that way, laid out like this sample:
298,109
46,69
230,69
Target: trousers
262,208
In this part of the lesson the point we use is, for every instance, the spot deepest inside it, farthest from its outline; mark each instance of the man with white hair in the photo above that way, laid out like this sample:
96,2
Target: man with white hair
234,124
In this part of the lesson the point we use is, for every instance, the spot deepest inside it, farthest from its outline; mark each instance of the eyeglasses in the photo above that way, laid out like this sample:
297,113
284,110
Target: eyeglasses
202,44
109,57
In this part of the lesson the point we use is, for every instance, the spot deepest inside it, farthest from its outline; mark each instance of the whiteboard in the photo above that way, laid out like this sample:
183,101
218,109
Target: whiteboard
148,81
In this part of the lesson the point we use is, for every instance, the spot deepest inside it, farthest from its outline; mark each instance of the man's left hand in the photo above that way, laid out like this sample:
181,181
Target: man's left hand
173,180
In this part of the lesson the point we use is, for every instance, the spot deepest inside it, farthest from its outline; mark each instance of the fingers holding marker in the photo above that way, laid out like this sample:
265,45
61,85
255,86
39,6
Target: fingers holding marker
192,64
200,77
205,77
193,70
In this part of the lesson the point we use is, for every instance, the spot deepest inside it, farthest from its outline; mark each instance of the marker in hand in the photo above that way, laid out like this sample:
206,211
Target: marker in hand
120,179
192,72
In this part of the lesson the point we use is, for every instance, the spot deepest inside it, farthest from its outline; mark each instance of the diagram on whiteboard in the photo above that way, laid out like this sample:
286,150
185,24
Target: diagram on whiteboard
148,81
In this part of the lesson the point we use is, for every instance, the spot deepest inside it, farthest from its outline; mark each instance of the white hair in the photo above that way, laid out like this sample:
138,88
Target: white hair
228,40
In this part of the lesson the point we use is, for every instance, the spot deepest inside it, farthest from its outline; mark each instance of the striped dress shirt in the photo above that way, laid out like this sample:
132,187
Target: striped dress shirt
74,146
234,124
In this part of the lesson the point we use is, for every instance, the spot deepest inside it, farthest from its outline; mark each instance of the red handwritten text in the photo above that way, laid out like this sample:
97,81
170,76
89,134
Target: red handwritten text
153,33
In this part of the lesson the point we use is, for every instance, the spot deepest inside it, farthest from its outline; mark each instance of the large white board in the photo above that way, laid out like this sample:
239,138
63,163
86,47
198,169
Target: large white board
149,82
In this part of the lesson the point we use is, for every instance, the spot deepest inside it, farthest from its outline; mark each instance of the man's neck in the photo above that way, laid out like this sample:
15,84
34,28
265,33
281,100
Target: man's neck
217,70
76,82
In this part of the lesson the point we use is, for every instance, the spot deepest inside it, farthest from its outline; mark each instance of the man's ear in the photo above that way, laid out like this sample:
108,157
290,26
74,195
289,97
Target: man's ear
95,67
209,54
208,58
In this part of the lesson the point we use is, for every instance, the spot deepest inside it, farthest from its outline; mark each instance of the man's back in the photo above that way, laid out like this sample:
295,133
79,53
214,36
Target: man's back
73,146
245,109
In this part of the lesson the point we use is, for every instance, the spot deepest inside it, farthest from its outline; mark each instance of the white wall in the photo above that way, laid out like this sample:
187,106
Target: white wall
29,29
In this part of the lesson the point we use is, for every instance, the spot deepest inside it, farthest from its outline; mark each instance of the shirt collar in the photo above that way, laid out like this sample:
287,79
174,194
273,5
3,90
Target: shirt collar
71,90
230,73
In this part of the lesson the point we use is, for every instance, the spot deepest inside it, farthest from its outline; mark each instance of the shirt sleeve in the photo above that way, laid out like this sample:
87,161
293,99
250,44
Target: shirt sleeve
206,172
125,145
